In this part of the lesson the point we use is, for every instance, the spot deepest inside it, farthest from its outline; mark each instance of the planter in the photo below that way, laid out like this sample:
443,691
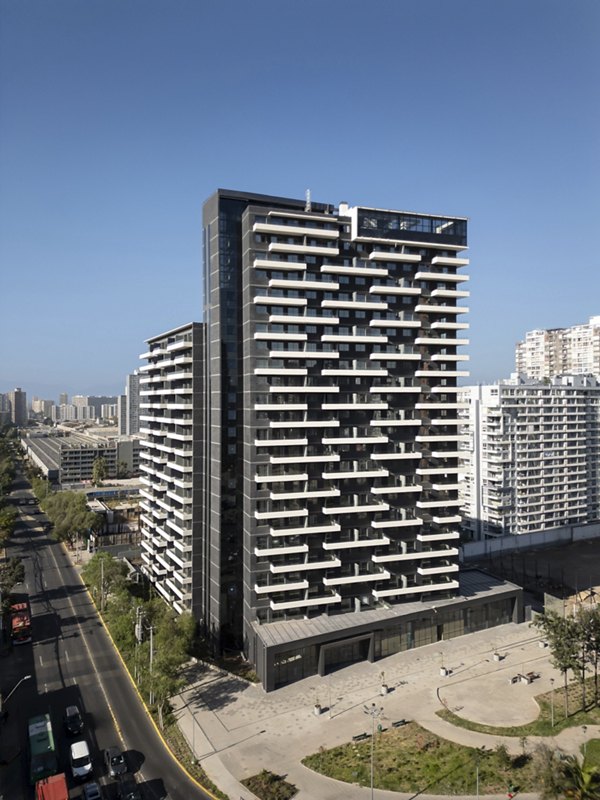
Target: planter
317,710
383,689
497,657
444,672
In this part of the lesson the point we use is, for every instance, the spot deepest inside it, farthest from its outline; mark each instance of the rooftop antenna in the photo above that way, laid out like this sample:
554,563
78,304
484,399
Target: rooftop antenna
308,205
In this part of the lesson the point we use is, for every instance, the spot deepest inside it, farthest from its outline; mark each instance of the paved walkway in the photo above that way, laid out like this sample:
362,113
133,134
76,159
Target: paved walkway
236,729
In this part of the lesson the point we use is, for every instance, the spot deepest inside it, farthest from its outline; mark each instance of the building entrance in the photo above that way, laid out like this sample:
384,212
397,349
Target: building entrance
337,655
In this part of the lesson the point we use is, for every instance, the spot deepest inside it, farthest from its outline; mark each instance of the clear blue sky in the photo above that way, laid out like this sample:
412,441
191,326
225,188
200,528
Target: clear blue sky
119,117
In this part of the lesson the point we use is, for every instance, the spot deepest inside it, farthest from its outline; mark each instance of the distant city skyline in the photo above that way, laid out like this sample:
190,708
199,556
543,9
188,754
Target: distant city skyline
118,123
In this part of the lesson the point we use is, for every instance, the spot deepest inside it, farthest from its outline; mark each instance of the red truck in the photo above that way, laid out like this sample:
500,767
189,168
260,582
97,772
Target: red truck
20,620
53,788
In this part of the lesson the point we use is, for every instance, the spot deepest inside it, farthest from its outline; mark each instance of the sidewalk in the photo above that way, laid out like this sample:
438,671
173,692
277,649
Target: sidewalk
236,729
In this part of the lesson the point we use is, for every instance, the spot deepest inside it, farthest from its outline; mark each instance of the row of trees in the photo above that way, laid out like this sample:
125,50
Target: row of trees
69,515
131,618
11,570
575,645
8,514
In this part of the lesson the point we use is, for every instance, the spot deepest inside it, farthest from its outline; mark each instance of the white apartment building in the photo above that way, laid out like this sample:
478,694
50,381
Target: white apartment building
71,412
170,430
532,461
128,406
42,407
560,351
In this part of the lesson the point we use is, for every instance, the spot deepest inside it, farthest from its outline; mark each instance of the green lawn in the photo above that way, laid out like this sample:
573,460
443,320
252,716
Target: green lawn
411,759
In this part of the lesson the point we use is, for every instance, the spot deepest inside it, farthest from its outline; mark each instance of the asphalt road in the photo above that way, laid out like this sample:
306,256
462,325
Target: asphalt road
72,661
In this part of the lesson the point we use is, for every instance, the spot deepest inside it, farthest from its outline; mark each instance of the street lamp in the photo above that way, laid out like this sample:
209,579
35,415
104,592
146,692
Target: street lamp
479,753
584,729
552,702
194,759
4,700
374,713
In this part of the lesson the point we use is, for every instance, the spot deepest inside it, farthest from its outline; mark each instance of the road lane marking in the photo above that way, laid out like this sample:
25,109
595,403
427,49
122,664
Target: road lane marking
92,662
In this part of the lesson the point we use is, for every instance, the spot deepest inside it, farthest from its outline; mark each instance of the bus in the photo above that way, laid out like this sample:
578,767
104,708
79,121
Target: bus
20,620
43,760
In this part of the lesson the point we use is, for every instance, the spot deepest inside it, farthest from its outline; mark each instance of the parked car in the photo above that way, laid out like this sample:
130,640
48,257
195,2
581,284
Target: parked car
127,788
81,761
73,721
92,791
115,762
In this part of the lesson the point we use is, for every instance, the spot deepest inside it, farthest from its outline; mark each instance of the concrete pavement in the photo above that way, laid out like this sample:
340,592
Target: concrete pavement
236,729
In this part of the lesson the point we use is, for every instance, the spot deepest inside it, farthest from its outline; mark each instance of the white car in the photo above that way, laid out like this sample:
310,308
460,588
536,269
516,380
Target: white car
81,761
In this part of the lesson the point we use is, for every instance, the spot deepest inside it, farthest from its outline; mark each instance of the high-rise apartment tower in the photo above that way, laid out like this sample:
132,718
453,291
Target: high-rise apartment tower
17,399
326,495
560,351
533,458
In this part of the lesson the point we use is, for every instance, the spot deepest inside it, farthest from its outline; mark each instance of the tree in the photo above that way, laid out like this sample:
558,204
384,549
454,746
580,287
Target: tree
589,620
41,487
578,781
11,573
8,521
549,771
99,471
70,516
104,575
123,469
563,635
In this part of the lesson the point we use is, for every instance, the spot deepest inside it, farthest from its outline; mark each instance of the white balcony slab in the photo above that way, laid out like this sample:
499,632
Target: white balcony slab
329,563
407,258
298,476
266,263
450,262
307,249
356,543
350,580
280,551
292,586
296,230
396,523
307,603
437,570
348,270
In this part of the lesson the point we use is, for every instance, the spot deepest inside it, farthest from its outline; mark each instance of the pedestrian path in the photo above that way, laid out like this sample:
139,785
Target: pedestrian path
236,729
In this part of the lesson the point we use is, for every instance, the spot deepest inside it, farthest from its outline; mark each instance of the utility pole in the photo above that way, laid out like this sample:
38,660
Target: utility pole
102,585
139,636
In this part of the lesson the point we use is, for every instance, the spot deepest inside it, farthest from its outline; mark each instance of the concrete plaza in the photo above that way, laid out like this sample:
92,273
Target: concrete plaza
236,729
